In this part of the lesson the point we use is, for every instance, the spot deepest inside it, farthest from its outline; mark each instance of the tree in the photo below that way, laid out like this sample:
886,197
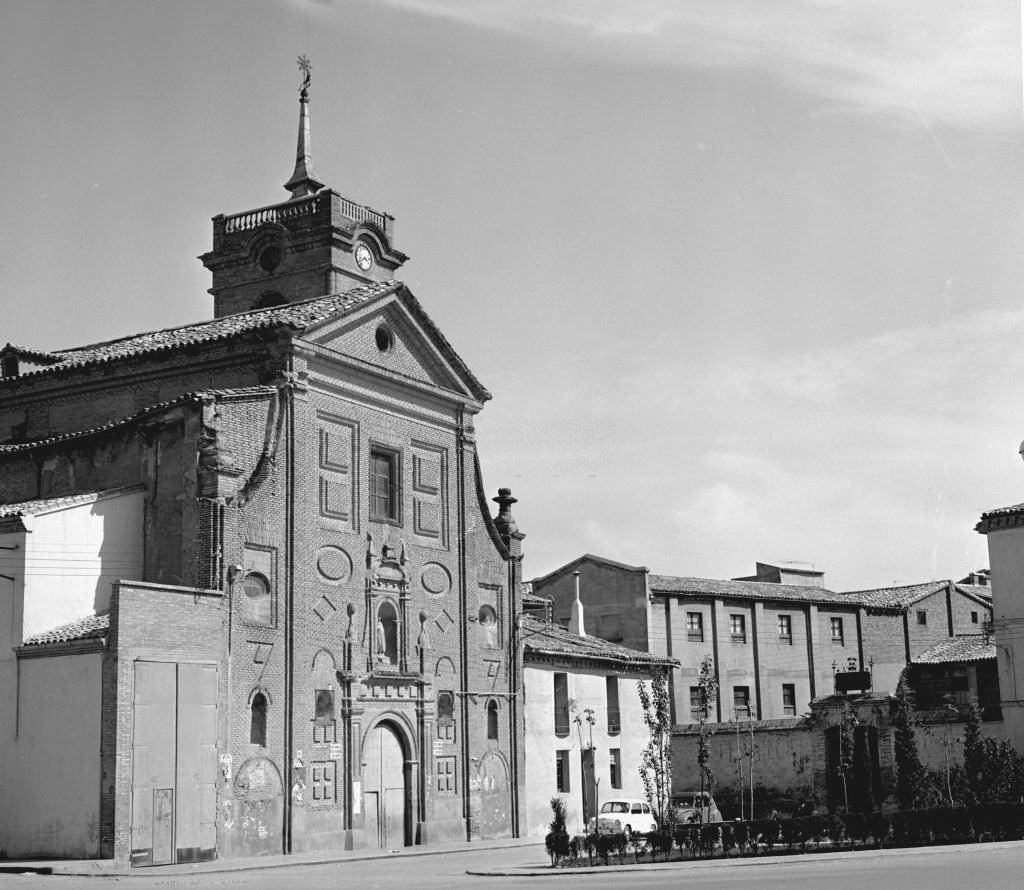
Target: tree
911,776
557,840
707,683
975,767
656,759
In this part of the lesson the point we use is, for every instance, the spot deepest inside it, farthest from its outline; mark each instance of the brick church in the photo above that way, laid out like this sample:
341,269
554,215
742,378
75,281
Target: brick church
252,596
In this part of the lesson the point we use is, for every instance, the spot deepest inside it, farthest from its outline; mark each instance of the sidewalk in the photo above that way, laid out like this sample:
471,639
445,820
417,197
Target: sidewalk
109,868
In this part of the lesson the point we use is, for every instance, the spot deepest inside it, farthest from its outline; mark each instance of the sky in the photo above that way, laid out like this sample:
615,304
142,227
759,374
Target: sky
744,278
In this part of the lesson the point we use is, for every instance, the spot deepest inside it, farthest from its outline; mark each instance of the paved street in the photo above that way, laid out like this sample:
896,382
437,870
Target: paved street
979,867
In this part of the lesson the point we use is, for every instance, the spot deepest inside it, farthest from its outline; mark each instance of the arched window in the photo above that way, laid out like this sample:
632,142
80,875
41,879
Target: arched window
258,721
488,626
492,720
257,603
386,637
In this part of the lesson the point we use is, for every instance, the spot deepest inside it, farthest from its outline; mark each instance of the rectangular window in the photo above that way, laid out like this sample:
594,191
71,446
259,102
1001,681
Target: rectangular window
561,704
786,629
384,485
922,617
324,725
738,628
615,767
789,699
444,770
837,630
611,685
741,701
974,617
323,774
562,770
694,627
698,707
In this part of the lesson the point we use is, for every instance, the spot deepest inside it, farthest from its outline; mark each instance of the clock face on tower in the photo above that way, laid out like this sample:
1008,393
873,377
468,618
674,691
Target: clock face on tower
364,257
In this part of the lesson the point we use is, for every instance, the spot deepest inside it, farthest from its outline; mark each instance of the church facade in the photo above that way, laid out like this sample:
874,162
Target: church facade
289,624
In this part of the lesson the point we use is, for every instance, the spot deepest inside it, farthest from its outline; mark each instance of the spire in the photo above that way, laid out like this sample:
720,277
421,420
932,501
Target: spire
302,182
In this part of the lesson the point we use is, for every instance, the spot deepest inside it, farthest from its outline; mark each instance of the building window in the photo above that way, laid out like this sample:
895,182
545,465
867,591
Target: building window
741,701
257,603
488,626
698,704
922,617
258,720
324,726
837,630
444,770
738,628
786,629
561,704
446,716
562,770
615,767
789,699
611,685
492,721
324,774
694,627
974,617
384,485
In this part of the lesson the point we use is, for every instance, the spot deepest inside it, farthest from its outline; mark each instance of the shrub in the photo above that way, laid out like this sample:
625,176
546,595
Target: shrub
557,840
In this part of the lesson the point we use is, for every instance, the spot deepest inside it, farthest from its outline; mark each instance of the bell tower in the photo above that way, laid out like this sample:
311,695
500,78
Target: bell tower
314,243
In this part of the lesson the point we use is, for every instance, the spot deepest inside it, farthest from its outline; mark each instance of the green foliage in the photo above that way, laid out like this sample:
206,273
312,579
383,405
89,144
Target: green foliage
910,773
557,840
707,683
656,758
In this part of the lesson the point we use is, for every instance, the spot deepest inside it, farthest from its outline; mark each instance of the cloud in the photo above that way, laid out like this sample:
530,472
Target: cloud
945,61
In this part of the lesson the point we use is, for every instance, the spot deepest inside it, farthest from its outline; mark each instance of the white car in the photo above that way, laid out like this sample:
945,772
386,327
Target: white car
624,816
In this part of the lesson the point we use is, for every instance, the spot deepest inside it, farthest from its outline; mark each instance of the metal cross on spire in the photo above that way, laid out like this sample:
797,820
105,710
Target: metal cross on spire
306,67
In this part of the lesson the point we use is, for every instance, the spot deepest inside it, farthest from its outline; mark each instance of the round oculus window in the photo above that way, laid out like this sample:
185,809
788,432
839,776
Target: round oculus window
385,339
269,258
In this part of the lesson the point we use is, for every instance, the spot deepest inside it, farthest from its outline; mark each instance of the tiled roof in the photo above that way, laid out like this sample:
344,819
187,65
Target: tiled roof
551,640
981,591
296,315
973,647
50,505
896,597
751,590
90,627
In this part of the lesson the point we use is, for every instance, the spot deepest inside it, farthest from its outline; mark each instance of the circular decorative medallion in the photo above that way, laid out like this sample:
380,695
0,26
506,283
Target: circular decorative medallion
435,579
334,564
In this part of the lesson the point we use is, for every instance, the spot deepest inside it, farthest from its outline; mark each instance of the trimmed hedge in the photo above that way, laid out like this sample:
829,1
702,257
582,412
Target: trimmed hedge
944,825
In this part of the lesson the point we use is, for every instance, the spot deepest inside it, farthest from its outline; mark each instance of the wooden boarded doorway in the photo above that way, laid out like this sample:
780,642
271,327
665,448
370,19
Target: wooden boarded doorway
386,789
174,763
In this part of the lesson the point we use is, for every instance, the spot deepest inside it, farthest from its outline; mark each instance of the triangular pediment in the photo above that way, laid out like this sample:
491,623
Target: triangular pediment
395,335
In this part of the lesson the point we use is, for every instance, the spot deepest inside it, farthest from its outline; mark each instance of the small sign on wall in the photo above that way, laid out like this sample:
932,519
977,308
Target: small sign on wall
438,747
335,751
357,797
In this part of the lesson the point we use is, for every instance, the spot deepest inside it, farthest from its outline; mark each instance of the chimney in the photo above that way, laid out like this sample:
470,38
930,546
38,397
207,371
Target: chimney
576,615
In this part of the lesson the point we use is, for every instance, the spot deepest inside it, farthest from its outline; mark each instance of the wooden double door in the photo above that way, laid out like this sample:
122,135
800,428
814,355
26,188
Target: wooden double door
386,789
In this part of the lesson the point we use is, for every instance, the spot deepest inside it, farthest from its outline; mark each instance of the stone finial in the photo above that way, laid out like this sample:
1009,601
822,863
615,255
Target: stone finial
504,521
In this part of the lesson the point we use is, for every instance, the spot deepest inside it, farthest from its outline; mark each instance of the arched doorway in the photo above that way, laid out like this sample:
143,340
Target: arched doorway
493,802
385,789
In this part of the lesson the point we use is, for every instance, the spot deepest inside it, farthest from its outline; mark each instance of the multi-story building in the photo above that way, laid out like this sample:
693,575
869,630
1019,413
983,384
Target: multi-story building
585,731
253,599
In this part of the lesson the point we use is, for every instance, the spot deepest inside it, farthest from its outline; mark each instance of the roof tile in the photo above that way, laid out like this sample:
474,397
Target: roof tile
969,647
540,638
89,627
